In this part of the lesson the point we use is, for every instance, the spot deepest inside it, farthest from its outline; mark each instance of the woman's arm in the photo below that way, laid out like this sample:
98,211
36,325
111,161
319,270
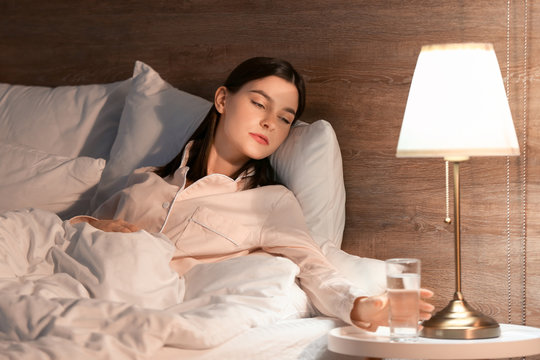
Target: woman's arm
106,225
286,234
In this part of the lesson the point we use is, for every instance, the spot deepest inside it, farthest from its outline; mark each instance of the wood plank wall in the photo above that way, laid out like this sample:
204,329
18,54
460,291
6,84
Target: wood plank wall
358,58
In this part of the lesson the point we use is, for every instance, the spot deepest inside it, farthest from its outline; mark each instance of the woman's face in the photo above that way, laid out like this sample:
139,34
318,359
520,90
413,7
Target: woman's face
256,119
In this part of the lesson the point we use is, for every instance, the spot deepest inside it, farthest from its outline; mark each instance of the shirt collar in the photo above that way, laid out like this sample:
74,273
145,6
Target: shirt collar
185,156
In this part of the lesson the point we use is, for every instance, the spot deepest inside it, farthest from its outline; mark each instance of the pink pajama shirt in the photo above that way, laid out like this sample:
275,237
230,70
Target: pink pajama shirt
215,219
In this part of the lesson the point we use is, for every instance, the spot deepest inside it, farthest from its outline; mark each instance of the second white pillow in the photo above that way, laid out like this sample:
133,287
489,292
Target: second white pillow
156,123
32,178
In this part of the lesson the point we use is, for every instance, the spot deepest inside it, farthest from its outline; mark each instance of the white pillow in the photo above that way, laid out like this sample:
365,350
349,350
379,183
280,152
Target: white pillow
66,120
32,178
156,123
309,164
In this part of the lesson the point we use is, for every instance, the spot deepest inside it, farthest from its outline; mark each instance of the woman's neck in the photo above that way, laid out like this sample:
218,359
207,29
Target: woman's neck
218,163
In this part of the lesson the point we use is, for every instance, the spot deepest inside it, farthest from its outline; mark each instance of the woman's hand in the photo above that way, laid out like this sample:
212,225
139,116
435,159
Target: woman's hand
107,225
371,312
114,226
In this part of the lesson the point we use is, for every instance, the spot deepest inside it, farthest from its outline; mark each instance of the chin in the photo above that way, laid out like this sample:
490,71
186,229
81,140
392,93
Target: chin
260,157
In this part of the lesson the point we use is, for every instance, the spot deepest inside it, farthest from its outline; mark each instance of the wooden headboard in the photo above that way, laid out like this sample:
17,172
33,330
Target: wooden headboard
358,58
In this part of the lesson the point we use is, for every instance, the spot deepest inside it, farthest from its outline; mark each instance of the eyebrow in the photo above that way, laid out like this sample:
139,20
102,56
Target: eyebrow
261,92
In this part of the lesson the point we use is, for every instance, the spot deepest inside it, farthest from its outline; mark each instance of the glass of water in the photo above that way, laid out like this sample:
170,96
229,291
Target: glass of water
403,286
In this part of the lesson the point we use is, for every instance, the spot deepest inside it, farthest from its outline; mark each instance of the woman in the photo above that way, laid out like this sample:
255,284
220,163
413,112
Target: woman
218,198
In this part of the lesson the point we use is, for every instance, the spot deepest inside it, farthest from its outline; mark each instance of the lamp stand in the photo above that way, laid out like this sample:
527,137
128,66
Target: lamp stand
458,320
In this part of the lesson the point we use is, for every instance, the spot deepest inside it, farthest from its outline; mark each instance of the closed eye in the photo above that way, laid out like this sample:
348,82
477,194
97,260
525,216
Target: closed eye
285,120
259,105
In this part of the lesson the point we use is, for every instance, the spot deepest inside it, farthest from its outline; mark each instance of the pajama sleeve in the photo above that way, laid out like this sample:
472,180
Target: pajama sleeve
285,233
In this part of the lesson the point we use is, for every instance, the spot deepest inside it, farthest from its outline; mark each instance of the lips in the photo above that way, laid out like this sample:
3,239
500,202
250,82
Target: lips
261,139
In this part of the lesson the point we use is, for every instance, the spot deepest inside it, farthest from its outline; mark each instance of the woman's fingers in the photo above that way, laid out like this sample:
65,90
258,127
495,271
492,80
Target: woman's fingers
426,308
128,227
424,315
362,325
114,226
425,293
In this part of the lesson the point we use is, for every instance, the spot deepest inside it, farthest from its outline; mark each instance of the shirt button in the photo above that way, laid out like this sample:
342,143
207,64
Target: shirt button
165,205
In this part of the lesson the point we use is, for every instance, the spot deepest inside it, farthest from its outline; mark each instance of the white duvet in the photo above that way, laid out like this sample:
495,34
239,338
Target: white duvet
75,292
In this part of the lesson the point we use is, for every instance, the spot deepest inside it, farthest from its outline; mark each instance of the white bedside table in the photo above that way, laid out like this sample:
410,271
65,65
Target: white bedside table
515,341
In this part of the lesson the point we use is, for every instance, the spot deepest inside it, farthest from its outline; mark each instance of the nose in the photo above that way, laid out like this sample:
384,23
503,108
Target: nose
267,122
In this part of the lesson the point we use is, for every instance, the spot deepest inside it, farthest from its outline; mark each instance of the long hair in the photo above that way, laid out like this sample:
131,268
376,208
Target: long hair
249,70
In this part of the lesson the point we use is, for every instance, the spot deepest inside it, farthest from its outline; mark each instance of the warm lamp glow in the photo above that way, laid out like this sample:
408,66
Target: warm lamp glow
457,105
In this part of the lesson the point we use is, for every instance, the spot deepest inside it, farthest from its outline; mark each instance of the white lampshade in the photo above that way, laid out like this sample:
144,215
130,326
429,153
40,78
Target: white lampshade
457,105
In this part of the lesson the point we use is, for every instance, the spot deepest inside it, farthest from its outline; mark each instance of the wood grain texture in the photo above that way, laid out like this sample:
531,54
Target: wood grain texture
358,58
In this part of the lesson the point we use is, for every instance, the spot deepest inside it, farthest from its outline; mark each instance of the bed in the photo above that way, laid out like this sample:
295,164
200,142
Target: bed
71,291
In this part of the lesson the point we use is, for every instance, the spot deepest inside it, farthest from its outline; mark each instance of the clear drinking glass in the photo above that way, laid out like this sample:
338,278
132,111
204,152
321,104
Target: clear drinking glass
403,286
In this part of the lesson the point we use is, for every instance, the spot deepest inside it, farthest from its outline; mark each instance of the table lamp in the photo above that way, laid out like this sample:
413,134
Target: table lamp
457,108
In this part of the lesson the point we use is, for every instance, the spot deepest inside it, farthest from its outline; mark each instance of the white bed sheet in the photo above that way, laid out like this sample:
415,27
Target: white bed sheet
299,339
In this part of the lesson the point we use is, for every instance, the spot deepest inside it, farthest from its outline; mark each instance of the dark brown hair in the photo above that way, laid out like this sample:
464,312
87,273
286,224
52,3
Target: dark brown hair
249,70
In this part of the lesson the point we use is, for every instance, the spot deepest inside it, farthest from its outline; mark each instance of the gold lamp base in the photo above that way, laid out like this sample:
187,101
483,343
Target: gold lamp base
460,321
